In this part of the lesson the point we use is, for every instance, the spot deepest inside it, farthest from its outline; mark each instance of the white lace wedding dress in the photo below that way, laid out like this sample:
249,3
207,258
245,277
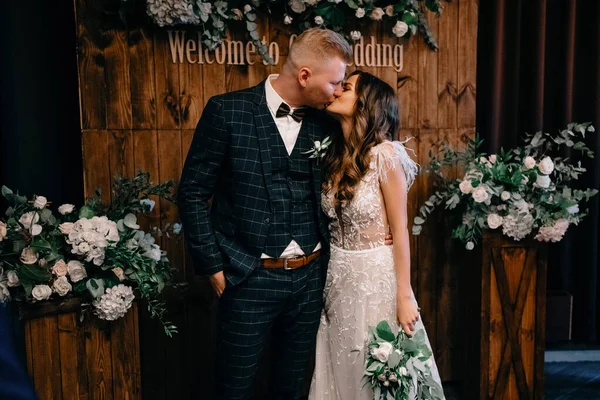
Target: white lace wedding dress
360,290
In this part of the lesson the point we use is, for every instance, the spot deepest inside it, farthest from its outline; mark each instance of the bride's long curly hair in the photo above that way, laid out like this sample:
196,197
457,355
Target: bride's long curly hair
375,120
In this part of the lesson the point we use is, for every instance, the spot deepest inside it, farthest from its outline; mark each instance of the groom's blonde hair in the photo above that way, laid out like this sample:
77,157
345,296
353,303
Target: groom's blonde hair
316,45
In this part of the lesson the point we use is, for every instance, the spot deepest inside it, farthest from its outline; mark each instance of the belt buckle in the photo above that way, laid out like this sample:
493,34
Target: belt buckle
285,265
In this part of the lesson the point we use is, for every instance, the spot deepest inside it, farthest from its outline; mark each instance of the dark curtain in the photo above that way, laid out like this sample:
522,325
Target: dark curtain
539,69
40,138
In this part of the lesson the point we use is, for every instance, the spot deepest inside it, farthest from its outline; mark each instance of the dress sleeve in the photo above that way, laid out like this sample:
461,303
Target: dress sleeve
390,155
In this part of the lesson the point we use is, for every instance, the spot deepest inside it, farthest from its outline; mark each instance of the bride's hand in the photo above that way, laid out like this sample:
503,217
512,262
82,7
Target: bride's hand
407,313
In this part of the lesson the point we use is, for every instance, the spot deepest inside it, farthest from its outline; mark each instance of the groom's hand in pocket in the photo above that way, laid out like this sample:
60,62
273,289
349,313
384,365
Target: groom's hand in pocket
218,282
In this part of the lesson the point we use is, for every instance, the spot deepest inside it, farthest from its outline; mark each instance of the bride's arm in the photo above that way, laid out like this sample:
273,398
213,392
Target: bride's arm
394,189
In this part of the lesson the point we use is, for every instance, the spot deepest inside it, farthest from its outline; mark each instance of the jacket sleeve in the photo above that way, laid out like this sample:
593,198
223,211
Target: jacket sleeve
198,181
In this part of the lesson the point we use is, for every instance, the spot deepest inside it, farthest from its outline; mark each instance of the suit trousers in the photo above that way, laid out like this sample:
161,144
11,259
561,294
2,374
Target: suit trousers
284,303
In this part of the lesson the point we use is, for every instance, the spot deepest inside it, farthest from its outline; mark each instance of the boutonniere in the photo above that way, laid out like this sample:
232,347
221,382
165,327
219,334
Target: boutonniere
319,149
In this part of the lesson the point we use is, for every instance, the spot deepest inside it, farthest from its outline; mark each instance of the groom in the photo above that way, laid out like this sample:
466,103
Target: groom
264,241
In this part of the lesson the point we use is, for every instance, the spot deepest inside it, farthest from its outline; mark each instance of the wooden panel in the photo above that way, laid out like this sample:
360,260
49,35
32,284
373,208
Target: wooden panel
408,92
120,151
73,370
118,87
125,357
428,139
141,70
96,172
448,67
168,108
427,81
46,352
99,360
467,62
91,62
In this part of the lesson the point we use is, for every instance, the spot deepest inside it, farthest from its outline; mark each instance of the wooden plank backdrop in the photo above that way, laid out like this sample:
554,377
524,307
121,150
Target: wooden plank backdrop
139,111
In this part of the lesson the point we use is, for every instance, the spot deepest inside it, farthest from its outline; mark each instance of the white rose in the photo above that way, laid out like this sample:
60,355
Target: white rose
382,353
13,279
29,256
493,158
66,227
470,246
41,292
76,270
494,221
393,378
66,209
465,186
247,8
62,286
403,371
360,12
355,35
297,6
29,218
529,162
42,263
36,229
546,166
119,273
480,195
60,268
40,202
573,209
3,231
505,195
543,181
287,20
377,14
485,161
389,10
319,20
400,28
381,377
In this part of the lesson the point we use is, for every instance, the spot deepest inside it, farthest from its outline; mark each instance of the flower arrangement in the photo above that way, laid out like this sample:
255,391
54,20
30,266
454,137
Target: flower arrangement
397,364
346,17
524,191
98,252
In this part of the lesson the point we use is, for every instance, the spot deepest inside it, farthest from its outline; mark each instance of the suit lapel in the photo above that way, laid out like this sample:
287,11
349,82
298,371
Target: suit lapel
264,123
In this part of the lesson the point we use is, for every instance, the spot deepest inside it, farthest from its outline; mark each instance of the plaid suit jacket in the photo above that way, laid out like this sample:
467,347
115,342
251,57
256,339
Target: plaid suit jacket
229,160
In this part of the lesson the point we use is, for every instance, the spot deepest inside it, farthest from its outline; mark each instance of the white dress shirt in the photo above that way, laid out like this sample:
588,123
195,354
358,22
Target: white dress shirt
289,130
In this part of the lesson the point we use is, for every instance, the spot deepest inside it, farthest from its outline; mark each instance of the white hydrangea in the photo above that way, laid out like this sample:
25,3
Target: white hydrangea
89,238
170,12
517,224
114,303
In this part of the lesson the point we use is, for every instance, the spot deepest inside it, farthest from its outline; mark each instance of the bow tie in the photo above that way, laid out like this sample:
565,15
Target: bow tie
285,110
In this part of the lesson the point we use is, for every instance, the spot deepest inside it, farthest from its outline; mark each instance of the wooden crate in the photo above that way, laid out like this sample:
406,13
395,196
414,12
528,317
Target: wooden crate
507,320
72,360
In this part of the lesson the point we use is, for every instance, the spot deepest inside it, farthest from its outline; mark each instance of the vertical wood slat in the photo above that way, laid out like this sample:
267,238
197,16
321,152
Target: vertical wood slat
428,140
96,172
168,107
46,358
73,370
124,348
91,62
447,91
99,362
467,62
141,71
428,81
118,85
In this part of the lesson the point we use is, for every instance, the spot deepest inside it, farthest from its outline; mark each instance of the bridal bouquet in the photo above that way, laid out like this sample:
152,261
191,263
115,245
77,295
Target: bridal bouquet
522,191
98,252
397,363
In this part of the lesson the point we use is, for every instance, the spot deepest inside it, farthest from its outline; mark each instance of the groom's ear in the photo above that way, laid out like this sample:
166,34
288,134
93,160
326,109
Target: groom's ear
303,75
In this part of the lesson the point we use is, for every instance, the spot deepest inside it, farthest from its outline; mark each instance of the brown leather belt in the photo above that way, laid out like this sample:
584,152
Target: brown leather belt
290,263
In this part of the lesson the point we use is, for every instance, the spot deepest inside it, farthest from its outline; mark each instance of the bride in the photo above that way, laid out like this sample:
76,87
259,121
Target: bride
366,181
